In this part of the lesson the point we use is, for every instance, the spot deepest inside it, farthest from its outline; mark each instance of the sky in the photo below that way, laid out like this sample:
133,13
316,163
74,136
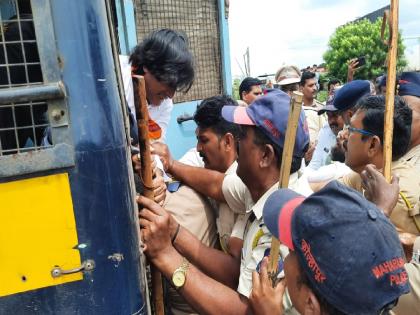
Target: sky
280,32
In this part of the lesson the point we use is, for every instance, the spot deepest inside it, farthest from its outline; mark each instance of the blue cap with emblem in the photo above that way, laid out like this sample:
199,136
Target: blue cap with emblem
270,113
347,248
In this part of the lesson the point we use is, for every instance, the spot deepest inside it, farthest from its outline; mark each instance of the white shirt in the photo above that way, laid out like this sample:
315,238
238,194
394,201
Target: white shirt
161,114
128,83
192,158
326,173
326,140
257,238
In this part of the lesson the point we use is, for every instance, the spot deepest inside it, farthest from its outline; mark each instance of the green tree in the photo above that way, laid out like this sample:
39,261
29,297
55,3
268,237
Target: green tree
353,40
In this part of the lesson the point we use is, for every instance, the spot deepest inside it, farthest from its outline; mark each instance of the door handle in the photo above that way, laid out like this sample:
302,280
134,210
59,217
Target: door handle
87,265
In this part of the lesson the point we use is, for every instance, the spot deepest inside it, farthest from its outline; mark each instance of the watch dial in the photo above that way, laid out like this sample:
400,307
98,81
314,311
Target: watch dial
178,278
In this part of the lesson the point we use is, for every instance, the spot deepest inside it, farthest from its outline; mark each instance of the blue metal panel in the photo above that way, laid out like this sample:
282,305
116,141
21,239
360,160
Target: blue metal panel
130,24
225,49
181,137
103,202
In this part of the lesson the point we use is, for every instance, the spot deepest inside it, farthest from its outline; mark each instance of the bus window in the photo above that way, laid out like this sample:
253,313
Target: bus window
33,111
23,126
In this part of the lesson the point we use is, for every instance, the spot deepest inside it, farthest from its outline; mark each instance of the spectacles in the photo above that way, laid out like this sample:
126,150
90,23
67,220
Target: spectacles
361,131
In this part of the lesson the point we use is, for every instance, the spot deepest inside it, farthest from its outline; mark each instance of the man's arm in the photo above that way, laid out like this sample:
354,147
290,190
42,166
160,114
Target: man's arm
205,181
215,263
319,155
351,69
204,294
218,265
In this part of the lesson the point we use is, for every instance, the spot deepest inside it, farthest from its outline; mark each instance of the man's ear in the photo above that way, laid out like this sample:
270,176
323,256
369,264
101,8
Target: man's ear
311,306
229,141
268,156
145,70
375,146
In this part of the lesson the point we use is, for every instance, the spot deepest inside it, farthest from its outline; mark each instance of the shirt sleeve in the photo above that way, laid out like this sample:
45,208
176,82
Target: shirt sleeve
238,230
315,123
352,180
320,155
236,194
250,265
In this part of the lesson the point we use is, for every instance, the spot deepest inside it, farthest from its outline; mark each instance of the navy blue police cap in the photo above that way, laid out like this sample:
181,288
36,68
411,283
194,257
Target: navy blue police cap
350,93
409,84
349,251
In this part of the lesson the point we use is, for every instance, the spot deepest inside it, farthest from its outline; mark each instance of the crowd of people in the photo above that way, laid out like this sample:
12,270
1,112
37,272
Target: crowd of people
350,241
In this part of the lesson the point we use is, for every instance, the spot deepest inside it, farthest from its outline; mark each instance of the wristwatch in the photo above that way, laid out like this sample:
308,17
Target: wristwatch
180,274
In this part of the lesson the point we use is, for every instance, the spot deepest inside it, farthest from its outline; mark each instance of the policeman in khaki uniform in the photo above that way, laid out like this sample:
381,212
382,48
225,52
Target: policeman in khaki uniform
202,276
270,117
406,209
363,145
216,150
406,215
408,87
205,218
409,90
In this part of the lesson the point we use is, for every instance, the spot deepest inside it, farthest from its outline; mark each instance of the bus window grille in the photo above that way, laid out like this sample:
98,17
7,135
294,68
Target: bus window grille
198,19
23,126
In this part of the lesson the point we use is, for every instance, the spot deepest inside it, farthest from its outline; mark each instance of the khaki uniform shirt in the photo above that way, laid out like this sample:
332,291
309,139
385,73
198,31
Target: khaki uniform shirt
408,170
315,121
194,212
410,303
257,238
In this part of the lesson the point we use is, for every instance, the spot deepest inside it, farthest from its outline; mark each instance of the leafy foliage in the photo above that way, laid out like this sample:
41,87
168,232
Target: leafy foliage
353,40
322,96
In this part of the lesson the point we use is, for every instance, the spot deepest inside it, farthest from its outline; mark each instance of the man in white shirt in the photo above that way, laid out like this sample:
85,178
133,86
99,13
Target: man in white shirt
166,63
327,136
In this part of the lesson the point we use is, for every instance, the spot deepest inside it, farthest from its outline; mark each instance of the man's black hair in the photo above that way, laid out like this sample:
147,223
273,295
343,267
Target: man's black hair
333,82
247,84
209,115
166,55
374,110
306,76
261,139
